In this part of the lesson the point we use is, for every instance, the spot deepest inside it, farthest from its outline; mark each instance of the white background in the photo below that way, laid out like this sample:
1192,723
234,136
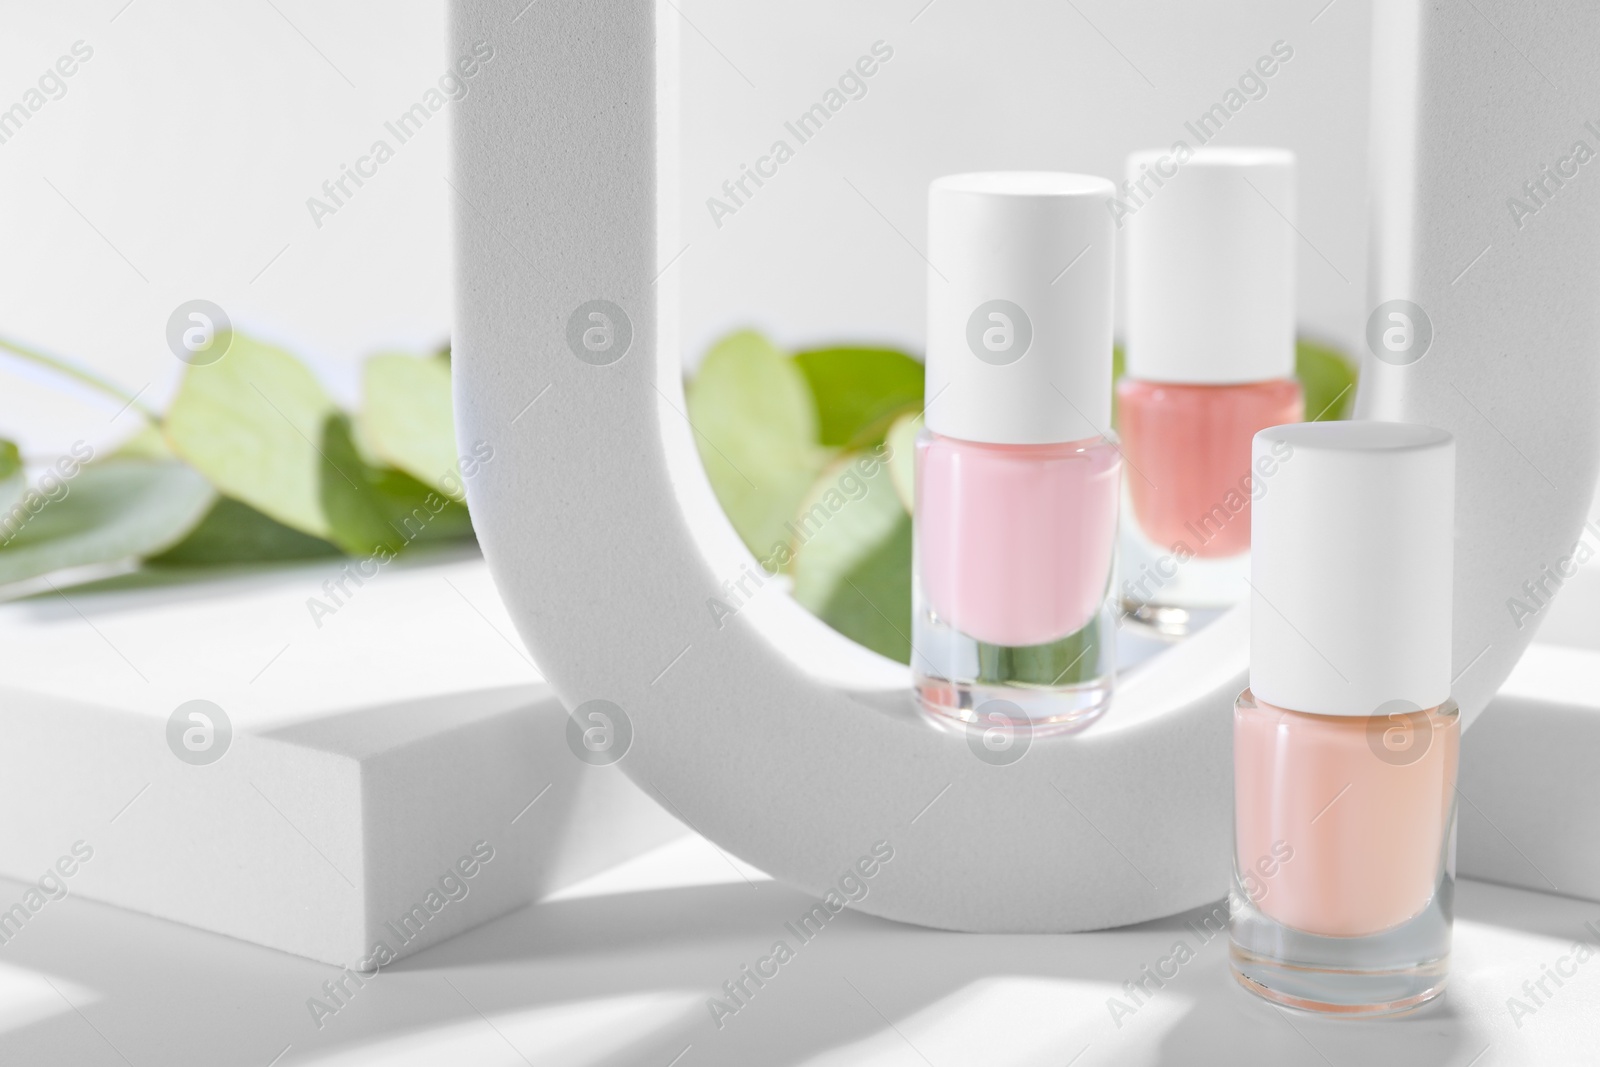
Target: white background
179,162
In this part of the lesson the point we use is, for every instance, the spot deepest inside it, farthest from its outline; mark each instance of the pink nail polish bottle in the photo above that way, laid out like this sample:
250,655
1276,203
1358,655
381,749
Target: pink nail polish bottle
1345,745
1210,349
1017,480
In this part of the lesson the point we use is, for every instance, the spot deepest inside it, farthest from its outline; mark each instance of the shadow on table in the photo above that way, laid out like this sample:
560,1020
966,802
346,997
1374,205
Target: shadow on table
857,988
853,984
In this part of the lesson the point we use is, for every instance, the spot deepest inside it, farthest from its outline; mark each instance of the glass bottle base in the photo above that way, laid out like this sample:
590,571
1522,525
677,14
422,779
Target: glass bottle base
1355,994
1387,973
1056,687
1059,709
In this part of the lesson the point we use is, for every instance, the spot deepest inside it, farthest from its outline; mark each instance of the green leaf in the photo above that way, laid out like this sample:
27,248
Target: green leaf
249,423
853,555
1328,378
756,428
114,510
1119,367
902,442
377,509
874,607
146,443
859,392
235,532
406,418
13,479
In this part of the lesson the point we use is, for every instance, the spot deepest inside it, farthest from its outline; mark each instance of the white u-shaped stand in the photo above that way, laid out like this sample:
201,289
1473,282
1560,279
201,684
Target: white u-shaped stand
796,751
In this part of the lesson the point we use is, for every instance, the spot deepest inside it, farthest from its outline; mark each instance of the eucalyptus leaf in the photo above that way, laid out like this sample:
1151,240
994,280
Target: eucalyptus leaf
1329,381
860,391
873,608
250,423
235,532
146,443
110,511
13,480
406,418
755,424
1119,367
379,509
902,442
853,554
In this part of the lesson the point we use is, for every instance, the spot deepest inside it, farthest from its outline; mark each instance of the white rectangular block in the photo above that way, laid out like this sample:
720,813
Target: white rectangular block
1530,777
375,758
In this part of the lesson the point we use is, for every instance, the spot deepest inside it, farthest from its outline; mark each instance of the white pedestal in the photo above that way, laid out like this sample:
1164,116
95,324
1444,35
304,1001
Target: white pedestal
370,754
1529,801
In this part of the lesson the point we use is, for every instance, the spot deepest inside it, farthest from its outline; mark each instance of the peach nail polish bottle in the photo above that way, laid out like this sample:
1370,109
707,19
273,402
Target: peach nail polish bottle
1017,481
1210,348
1346,743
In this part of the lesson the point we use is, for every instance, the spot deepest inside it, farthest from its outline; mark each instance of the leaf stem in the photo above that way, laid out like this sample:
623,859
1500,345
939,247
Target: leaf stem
82,376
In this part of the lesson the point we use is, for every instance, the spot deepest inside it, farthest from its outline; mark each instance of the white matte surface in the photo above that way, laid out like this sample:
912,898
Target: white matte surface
618,971
1530,810
1513,372
586,534
368,756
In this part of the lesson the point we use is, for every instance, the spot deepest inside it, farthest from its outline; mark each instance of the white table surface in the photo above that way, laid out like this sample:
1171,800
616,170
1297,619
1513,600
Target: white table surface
618,971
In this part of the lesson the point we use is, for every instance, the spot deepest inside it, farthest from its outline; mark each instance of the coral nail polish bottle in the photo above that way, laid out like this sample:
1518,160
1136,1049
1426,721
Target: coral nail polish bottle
1017,482
1345,745
1210,349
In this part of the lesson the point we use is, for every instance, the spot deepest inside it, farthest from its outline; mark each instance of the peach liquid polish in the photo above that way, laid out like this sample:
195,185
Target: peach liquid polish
1016,481
1210,348
1345,745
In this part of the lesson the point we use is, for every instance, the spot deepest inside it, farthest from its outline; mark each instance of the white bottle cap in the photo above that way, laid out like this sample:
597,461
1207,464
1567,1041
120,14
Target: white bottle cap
1351,557
1211,258
1020,307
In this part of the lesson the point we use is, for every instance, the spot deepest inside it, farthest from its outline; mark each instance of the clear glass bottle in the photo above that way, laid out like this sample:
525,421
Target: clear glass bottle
1017,482
1347,744
1359,814
1012,567
1210,347
1189,484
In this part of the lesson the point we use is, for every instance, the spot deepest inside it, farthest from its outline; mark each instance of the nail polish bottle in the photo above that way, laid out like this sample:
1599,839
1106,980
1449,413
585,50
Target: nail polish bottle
1017,479
1345,745
1210,360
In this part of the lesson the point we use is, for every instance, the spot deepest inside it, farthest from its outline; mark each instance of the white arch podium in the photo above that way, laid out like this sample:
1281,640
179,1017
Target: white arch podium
792,749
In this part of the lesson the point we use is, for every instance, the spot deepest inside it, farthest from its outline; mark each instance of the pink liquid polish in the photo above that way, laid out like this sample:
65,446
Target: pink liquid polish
1210,348
1346,743
1017,480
